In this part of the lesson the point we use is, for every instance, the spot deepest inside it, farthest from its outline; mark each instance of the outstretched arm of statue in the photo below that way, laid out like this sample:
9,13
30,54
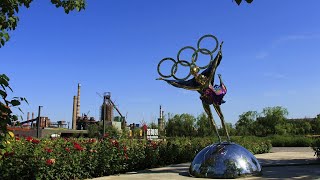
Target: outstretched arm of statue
181,84
215,64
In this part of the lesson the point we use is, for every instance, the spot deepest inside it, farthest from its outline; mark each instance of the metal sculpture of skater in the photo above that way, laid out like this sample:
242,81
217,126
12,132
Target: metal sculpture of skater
203,82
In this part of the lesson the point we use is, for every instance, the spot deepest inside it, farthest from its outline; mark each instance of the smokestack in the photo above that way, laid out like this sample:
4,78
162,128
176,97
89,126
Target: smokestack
162,115
160,120
28,116
74,113
32,117
78,101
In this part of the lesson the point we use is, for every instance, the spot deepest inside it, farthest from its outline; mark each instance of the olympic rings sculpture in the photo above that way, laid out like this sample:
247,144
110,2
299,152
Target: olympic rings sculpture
194,58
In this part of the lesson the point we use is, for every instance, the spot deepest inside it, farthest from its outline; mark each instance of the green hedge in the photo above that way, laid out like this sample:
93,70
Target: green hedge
87,158
290,141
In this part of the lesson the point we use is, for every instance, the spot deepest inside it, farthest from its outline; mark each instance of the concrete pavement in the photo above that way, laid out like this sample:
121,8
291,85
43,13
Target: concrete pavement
281,163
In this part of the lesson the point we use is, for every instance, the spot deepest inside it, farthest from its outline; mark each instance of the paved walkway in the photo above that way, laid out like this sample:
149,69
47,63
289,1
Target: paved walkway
281,163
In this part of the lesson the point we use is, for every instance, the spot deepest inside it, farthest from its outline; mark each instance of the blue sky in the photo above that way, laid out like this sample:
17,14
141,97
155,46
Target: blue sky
271,56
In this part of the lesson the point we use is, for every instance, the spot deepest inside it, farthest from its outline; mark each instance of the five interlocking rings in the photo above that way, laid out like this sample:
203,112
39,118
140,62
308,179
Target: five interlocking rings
194,58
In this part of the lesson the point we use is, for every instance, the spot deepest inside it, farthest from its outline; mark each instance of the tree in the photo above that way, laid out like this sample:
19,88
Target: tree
10,8
204,127
181,125
316,125
153,125
239,1
244,125
273,116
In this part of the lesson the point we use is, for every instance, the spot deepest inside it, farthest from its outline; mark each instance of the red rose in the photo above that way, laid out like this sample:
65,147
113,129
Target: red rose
115,143
8,154
77,146
50,161
67,149
29,138
48,150
35,141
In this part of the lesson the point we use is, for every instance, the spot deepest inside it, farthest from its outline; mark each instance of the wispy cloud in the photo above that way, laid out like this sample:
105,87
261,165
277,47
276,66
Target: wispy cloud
274,75
296,37
286,39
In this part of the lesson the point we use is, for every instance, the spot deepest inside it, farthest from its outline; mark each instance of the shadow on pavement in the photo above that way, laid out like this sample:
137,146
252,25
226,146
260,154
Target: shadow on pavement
292,172
291,162
280,169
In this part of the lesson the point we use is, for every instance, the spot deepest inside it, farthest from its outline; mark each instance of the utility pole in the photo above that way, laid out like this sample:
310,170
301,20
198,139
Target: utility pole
38,122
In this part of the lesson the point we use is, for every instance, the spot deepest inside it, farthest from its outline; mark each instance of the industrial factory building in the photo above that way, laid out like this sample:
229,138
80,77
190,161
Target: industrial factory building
80,122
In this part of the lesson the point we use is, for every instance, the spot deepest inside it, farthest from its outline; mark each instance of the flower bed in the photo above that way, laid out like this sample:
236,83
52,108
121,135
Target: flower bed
86,158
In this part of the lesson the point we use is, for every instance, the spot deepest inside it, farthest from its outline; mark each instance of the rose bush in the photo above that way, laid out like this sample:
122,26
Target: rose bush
81,158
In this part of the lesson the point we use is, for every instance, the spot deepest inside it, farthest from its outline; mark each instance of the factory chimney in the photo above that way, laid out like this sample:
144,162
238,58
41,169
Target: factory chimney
28,116
74,113
32,117
161,121
78,101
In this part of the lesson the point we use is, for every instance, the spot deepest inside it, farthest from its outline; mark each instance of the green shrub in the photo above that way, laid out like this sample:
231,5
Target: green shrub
87,158
290,141
316,147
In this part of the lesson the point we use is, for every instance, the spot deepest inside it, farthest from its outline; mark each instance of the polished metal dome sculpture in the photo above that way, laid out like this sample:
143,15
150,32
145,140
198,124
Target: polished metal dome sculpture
224,160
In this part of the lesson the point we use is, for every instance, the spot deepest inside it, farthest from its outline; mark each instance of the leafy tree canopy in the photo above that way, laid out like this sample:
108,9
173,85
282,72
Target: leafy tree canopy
239,1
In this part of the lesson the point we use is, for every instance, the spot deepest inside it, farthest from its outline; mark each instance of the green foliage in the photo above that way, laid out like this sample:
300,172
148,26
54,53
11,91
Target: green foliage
6,116
96,131
203,125
181,126
153,125
87,158
290,141
10,8
245,124
272,116
254,144
239,1
316,147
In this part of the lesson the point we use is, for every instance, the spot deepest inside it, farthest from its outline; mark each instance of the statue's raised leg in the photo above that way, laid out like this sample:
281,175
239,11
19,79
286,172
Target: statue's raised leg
219,112
206,107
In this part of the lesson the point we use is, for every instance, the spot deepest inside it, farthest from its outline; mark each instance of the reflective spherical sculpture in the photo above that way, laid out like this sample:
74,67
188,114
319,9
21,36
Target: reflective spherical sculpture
224,160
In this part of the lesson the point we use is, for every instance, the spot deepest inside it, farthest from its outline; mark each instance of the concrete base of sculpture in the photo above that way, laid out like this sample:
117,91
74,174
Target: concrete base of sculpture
224,160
